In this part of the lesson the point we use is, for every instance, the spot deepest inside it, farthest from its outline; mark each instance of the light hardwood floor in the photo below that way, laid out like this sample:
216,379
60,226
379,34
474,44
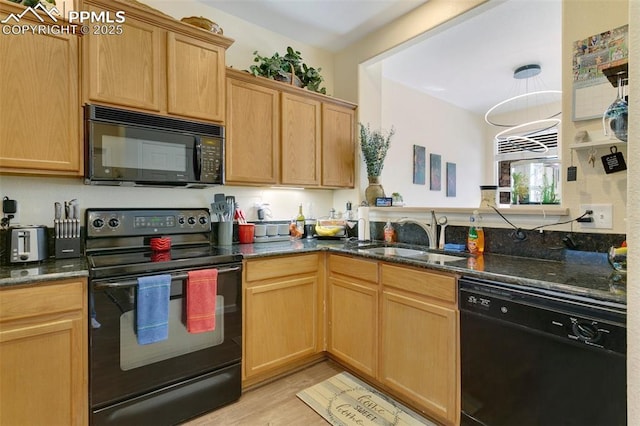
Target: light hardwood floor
274,404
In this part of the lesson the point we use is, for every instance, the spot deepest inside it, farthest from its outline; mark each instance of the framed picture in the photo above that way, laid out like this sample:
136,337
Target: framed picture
451,179
435,181
419,164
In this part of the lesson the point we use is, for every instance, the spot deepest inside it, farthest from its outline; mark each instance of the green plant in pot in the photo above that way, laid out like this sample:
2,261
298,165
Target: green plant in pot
285,67
520,188
374,145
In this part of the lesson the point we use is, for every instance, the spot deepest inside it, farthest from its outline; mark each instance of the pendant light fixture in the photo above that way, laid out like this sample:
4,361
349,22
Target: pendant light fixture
533,111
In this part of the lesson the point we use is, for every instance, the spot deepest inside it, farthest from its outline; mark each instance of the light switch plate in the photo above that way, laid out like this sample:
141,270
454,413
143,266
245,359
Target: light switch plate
602,216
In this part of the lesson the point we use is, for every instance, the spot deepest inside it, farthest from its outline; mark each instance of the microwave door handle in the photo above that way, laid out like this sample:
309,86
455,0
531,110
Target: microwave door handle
197,158
133,283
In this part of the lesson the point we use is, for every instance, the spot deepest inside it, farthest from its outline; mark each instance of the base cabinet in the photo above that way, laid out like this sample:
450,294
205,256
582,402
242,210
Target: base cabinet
418,345
352,313
282,314
43,354
398,327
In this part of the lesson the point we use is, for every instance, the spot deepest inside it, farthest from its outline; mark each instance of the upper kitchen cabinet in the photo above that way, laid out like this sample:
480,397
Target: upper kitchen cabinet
283,135
155,63
40,116
300,157
338,145
252,132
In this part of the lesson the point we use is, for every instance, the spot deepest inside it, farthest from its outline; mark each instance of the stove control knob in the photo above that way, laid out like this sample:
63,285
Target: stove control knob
191,220
114,222
98,223
181,220
203,220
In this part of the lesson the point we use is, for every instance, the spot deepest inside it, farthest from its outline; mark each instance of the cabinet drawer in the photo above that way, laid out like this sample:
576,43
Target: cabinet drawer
430,284
353,267
41,299
274,267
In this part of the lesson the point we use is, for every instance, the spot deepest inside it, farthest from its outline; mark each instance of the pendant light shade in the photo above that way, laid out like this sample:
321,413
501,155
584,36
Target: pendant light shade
532,112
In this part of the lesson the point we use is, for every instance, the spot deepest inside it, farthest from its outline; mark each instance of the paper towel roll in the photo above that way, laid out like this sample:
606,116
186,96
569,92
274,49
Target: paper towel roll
364,231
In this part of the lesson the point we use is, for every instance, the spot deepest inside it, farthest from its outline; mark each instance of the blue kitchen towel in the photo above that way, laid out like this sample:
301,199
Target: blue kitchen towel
152,316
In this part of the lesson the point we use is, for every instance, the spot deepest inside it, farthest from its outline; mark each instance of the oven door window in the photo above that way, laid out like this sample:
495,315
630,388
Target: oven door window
134,355
139,154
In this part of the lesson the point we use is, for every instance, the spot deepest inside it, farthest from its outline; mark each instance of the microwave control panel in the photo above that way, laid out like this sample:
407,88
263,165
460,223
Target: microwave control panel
211,160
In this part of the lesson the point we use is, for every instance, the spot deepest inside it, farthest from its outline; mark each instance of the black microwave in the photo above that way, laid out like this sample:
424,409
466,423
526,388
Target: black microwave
124,147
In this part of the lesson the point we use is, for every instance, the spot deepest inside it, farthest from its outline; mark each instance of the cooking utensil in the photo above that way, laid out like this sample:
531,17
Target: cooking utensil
219,208
75,217
57,207
231,204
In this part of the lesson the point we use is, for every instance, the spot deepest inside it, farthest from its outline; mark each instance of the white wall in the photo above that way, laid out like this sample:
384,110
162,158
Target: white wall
454,134
581,20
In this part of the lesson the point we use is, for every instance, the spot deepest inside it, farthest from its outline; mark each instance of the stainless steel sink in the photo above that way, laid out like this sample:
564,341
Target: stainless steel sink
412,254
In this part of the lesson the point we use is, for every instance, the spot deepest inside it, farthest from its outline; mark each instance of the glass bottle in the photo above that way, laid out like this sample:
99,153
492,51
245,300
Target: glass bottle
614,119
300,221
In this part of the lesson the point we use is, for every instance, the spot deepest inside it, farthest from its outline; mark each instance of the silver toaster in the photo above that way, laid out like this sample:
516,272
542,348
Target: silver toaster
27,244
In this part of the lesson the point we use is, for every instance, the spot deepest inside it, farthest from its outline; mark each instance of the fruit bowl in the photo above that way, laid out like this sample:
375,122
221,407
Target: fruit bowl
330,228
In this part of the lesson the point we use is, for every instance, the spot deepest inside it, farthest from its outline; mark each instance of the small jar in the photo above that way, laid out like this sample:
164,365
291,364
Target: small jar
488,196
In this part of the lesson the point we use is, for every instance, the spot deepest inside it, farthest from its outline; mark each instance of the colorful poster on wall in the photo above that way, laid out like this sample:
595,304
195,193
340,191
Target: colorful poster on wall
435,181
419,164
592,92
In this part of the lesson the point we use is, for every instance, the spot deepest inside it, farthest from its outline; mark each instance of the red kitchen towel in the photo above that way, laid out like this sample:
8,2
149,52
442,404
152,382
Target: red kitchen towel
202,287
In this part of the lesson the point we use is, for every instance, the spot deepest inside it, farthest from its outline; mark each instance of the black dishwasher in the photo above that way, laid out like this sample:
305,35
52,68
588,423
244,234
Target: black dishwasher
539,357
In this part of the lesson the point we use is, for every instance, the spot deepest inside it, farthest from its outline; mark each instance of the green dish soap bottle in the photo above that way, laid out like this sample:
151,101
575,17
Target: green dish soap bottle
475,238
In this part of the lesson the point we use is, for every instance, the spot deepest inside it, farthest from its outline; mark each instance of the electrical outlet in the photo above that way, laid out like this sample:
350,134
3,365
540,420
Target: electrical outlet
602,216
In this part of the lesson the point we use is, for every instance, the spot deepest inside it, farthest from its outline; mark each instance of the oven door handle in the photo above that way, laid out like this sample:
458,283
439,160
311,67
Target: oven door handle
133,283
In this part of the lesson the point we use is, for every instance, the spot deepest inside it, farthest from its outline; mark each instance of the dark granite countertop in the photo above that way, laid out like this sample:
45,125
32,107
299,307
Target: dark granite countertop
581,274
49,270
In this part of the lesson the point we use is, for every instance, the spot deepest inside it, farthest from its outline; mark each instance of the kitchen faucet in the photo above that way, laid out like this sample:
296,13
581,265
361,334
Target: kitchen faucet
428,228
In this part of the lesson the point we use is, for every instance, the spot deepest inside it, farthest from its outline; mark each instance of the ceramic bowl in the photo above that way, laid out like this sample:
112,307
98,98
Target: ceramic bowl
272,230
283,229
260,230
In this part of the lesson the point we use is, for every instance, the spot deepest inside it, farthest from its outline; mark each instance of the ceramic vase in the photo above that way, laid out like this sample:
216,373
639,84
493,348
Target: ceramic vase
374,190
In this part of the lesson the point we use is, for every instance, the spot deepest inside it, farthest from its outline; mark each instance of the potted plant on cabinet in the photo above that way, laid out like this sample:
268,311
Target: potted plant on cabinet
288,68
374,145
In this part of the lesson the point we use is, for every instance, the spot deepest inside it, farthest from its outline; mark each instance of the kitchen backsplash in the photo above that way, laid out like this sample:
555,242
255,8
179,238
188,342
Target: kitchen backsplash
549,245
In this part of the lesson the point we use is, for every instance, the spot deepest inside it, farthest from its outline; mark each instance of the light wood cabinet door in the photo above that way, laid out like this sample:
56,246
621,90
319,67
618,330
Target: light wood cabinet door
43,355
353,324
338,146
282,314
126,69
281,323
352,312
40,131
301,131
253,133
419,349
195,78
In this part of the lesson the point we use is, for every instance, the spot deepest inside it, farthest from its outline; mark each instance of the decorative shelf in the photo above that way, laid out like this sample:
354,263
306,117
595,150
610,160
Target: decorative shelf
597,144
612,73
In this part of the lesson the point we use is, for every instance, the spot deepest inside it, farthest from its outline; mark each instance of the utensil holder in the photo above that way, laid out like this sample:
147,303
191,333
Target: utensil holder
68,248
225,233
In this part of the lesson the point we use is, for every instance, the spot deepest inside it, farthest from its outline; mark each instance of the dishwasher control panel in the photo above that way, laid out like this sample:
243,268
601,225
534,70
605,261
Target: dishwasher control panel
565,319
